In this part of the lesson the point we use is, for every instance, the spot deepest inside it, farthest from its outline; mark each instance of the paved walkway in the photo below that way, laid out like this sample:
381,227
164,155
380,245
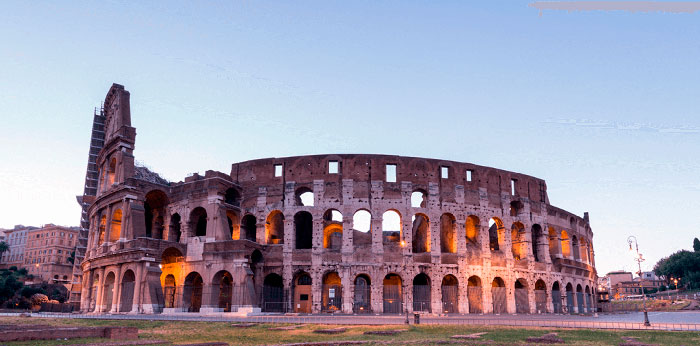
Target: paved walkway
659,320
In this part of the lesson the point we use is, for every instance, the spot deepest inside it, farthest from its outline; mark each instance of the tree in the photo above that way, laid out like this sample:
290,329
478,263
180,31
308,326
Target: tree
4,247
684,265
696,245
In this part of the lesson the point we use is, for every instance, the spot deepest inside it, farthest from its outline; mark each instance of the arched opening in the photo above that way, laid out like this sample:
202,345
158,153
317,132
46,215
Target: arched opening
556,298
249,227
102,228
475,295
363,295
553,243
361,235
332,230
116,228
515,208
192,292
540,296
421,293
304,197
232,197
222,289
498,295
175,224
419,199
234,225
570,298
127,291
522,303
198,222
537,245
450,294
584,251
565,244
496,234
421,233
391,227
589,300
517,236
171,255
273,294
303,229
112,171
302,293
169,291
154,213
575,248
331,293
392,297
580,299
274,227
472,231
448,241
108,291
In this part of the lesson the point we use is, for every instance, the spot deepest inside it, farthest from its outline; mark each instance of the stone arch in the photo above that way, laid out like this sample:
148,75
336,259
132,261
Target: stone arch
522,301
232,196
198,222
498,295
192,292
108,291
303,230
116,227
111,172
448,240
304,196
472,230
589,299
575,248
421,233
273,293
392,294
475,295
101,230
391,226
553,243
234,225
556,297
154,206
496,234
565,244
169,288
222,290
421,293
332,229
331,292
537,244
171,255
570,298
249,225
175,228
580,299
362,300
519,244
127,291
302,292
450,294
419,198
362,220
540,296
274,227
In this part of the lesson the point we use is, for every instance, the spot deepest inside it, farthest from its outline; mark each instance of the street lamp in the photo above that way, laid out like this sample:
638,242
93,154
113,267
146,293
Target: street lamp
639,260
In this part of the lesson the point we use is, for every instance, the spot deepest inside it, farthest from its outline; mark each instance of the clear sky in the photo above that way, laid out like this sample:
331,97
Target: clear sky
602,105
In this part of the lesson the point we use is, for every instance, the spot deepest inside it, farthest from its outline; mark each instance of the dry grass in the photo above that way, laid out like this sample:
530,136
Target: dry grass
191,332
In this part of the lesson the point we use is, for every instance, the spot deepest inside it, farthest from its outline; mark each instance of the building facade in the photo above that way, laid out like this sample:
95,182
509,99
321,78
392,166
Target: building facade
328,233
49,253
16,239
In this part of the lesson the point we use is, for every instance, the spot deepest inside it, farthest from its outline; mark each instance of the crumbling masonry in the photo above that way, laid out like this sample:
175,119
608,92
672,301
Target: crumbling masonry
328,233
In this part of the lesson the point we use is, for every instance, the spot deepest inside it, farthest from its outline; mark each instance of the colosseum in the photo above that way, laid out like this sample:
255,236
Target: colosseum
346,233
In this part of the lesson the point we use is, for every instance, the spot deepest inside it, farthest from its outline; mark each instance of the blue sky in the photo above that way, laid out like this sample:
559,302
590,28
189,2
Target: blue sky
602,105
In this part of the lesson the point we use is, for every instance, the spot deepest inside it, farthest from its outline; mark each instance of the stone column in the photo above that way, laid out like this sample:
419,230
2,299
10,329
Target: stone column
510,296
116,290
99,300
436,295
86,291
377,236
136,308
347,283
347,246
434,238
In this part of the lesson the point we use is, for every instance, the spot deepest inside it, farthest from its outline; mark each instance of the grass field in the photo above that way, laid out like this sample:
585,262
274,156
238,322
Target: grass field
191,332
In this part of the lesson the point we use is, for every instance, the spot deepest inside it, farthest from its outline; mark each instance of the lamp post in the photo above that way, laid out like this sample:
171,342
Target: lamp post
632,239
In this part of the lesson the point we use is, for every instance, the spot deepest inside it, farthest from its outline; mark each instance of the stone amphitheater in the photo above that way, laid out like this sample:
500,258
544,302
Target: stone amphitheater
340,233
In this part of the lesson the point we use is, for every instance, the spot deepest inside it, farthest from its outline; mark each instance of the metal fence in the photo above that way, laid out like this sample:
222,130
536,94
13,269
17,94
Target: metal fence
475,297
522,303
499,300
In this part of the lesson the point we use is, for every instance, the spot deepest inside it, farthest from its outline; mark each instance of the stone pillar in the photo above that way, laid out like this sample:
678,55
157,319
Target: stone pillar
116,290
377,237
487,297
99,300
531,297
434,231
347,246
510,296
138,286
436,295
461,234
347,283
86,291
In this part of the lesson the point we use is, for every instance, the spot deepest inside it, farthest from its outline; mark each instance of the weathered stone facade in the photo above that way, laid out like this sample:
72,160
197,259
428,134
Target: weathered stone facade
346,233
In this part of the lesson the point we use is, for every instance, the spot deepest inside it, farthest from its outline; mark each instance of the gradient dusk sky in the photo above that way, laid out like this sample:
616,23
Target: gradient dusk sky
605,106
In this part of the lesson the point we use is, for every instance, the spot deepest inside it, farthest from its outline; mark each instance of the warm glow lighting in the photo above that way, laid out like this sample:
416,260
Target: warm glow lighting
160,266
403,243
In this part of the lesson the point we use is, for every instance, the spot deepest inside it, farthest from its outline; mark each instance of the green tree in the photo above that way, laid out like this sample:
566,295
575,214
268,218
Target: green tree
4,247
683,264
696,245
